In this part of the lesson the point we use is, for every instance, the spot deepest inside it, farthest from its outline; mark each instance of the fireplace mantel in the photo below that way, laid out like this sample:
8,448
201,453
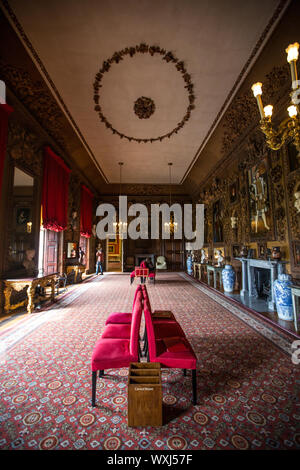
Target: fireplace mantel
139,258
248,276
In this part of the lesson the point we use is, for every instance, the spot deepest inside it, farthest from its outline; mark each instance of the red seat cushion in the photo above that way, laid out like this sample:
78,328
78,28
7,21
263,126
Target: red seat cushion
119,317
151,275
180,359
117,331
112,353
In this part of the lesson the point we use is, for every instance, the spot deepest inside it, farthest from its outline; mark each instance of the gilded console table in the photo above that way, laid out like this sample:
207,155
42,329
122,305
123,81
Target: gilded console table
78,271
296,310
216,270
31,283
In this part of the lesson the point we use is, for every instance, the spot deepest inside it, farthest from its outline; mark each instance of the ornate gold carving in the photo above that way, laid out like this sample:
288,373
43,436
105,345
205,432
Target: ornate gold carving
24,148
36,98
243,110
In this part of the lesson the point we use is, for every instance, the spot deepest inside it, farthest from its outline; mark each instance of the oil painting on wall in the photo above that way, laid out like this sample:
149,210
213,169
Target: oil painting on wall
260,205
217,222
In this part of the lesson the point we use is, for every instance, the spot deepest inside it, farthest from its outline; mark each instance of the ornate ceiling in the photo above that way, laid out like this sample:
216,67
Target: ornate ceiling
144,82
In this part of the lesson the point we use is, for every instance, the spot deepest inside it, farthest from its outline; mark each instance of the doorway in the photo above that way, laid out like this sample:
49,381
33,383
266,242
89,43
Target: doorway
114,254
48,252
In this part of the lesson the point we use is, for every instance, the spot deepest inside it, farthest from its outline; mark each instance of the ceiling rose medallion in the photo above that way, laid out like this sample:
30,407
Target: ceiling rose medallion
144,107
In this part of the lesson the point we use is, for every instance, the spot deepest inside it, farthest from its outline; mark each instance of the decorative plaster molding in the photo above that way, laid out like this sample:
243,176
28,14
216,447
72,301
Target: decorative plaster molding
130,52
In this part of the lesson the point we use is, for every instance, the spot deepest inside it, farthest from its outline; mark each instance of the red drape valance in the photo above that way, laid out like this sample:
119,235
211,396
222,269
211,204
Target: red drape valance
86,212
5,111
55,192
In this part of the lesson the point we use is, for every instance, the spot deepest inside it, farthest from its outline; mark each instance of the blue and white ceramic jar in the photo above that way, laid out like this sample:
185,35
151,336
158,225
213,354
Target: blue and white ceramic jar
228,278
189,265
283,297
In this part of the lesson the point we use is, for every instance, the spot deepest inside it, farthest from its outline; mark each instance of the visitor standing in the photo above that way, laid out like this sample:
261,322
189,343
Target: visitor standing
99,261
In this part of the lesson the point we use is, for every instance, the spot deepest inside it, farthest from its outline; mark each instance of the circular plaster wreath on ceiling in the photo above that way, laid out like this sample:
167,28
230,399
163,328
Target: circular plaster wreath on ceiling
144,109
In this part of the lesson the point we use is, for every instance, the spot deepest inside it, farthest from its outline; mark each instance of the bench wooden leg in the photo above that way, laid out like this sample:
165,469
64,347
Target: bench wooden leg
184,372
94,383
194,380
101,373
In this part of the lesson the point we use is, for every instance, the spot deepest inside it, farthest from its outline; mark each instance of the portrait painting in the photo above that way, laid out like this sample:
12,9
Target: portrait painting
72,250
296,253
217,222
262,250
260,205
23,215
111,249
235,250
233,192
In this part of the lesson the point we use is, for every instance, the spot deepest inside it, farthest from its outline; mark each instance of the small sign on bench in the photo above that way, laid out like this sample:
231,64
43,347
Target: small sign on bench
144,394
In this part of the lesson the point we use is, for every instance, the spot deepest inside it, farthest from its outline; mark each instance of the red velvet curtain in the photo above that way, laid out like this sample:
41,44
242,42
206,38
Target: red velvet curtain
55,192
5,111
86,212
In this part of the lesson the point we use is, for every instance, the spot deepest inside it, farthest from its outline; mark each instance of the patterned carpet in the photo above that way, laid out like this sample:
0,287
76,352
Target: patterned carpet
248,387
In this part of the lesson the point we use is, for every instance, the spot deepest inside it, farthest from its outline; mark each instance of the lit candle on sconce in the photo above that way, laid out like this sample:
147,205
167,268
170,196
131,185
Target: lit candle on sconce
292,56
257,92
29,227
292,110
289,127
268,110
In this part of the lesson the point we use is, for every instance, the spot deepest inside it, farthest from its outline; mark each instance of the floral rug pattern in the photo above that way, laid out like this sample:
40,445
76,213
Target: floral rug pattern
248,387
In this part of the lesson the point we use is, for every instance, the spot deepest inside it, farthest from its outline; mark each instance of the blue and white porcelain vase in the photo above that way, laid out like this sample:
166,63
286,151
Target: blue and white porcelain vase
189,265
228,278
283,297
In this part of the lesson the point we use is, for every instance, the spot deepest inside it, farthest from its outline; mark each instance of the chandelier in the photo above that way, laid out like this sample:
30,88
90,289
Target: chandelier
289,127
120,227
171,226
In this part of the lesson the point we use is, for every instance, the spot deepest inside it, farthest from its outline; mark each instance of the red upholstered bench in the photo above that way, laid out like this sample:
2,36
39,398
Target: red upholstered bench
118,345
168,345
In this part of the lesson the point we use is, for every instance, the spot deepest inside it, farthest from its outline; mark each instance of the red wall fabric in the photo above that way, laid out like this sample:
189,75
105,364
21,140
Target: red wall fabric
55,192
86,212
5,111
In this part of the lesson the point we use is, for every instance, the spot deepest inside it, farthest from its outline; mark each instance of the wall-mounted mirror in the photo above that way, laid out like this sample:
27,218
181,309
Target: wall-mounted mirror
21,241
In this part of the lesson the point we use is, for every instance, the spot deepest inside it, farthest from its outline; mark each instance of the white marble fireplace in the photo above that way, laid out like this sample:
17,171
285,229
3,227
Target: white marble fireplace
250,277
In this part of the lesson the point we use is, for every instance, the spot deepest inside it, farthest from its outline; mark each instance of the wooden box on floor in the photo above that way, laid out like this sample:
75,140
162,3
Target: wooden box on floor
144,394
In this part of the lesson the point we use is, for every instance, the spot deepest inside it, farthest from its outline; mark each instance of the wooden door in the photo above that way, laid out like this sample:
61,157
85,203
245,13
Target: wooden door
174,254
50,252
177,255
